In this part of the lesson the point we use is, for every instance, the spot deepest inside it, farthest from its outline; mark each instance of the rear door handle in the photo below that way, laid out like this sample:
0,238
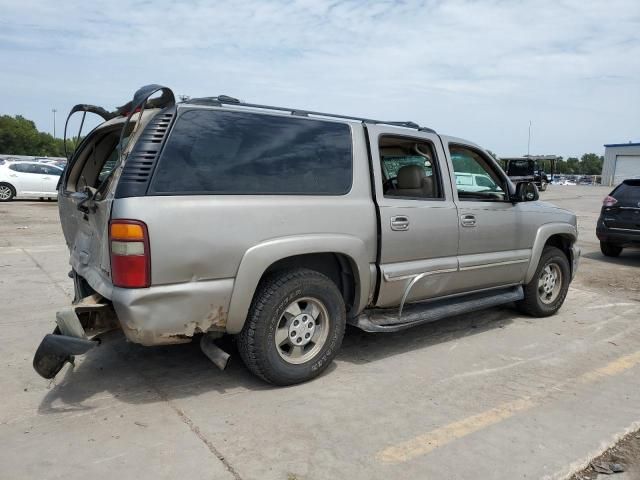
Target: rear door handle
468,220
400,223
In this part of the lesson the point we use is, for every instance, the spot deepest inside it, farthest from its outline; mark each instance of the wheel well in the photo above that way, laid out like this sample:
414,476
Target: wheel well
563,242
338,267
10,186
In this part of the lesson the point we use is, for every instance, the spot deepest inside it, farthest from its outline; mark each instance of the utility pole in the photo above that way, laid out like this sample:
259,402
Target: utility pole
53,110
529,140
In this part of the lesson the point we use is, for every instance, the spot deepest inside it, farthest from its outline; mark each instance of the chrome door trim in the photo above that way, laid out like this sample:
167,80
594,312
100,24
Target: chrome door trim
415,280
494,264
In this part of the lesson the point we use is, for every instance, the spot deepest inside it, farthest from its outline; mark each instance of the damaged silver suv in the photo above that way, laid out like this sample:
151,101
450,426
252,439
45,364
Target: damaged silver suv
280,226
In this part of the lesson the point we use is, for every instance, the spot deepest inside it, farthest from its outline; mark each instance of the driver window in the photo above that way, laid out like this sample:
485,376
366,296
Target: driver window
409,168
475,178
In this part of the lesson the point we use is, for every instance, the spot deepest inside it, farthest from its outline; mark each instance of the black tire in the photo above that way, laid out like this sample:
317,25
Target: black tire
256,342
12,192
610,250
532,304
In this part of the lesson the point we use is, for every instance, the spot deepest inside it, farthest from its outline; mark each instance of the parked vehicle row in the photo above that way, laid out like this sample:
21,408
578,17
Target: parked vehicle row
279,226
28,180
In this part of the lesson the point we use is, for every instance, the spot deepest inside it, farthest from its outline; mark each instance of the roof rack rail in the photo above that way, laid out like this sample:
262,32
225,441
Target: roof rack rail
226,100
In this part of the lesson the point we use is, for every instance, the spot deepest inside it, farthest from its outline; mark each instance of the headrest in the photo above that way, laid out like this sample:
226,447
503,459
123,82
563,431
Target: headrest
410,176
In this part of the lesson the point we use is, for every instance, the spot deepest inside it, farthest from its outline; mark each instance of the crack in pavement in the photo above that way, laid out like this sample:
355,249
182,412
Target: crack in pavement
192,426
53,281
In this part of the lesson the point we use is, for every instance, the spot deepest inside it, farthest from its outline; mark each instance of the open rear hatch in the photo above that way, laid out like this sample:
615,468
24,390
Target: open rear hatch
86,192
86,189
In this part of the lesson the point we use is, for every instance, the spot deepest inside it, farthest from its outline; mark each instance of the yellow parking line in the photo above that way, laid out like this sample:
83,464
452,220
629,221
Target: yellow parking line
423,444
611,369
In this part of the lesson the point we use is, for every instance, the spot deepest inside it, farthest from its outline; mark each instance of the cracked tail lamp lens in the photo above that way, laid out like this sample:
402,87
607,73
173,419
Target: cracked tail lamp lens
130,259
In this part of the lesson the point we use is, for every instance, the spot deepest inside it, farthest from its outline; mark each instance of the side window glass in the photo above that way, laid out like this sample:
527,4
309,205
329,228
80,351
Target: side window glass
475,177
239,153
49,170
409,168
41,169
16,167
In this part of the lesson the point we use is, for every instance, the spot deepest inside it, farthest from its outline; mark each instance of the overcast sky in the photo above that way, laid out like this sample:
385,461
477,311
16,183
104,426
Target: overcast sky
475,69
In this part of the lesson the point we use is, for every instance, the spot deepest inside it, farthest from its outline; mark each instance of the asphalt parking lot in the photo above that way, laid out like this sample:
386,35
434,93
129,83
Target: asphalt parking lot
488,395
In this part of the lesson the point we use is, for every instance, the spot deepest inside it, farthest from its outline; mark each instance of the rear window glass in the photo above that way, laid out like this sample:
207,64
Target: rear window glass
519,168
245,153
627,191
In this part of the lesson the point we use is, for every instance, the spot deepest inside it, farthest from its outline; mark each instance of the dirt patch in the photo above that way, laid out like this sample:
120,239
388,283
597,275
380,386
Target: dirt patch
624,456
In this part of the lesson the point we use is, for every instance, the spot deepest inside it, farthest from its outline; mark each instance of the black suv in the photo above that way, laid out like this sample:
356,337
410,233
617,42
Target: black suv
619,222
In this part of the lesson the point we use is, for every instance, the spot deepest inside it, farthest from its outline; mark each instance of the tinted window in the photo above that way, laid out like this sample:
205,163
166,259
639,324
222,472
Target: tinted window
520,168
246,153
49,170
24,167
629,191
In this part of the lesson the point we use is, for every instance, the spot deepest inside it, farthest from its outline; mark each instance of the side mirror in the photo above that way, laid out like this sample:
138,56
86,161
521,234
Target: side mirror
526,192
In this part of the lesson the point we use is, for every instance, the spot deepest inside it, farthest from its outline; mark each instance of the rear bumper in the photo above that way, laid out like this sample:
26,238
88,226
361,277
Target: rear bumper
77,331
618,236
168,314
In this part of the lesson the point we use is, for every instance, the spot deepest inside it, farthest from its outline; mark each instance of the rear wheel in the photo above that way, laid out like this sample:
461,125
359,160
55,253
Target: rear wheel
294,328
609,249
545,293
7,192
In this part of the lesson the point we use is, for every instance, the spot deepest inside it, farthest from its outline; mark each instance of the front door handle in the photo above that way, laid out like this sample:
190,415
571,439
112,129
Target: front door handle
400,223
468,220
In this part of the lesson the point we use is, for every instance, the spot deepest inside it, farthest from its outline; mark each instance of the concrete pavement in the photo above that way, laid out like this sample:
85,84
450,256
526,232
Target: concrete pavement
488,395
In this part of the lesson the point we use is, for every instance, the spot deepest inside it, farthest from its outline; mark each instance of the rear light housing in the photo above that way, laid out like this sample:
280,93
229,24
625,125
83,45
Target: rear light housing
609,201
130,254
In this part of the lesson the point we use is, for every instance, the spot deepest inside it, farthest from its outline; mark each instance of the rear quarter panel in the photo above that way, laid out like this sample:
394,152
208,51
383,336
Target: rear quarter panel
197,238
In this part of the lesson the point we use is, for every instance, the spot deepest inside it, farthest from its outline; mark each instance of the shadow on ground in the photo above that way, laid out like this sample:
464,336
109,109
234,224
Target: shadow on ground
629,257
136,374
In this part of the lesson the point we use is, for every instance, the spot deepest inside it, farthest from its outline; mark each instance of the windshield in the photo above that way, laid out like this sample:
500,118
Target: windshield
520,168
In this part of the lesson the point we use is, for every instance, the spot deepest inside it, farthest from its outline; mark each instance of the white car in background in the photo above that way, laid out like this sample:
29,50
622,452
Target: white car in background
475,182
28,180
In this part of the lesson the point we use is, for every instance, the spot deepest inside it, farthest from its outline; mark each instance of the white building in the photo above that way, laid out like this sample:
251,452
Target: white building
621,161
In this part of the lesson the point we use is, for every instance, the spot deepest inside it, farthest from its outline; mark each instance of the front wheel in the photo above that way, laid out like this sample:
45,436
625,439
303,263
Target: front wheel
7,192
294,328
545,293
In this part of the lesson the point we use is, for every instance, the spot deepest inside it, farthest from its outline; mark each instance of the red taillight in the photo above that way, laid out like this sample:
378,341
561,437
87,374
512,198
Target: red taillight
130,255
609,201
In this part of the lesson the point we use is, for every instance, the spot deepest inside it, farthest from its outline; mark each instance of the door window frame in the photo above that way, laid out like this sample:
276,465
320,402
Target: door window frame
491,163
374,133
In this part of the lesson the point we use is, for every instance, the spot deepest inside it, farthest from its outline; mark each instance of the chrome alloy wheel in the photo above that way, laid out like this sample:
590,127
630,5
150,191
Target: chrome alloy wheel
5,192
302,330
550,283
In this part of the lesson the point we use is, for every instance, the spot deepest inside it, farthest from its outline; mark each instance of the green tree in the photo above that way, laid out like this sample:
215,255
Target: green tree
19,136
591,164
573,166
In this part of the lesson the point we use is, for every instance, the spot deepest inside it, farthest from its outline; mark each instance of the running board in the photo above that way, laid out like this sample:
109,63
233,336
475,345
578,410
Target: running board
387,320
